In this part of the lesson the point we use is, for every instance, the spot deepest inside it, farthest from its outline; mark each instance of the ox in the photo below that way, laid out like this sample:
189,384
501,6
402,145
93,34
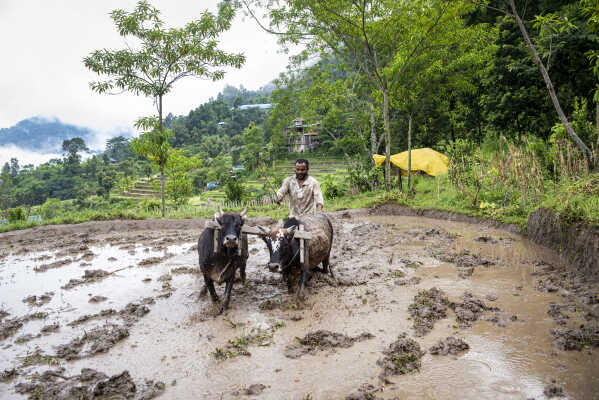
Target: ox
231,254
284,248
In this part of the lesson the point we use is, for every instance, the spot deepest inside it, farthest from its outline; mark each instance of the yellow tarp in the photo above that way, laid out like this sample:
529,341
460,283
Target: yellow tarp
428,160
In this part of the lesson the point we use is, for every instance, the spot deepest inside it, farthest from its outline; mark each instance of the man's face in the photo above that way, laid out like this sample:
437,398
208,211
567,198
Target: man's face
301,171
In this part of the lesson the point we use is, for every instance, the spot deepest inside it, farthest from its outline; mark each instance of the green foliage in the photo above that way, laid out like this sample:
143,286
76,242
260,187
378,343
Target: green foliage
16,214
234,190
332,187
179,187
251,154
51,208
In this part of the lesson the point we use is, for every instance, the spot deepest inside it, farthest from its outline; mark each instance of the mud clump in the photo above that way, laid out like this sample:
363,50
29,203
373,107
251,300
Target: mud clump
557,312
587,336
412,281
255,389
97,299
150,261
553,390
403,356
88,317
50,328
365,392
485,239
55,264
184,270
428,307
470,310
90,384
38,301
10,326
97,340
322,340
90,275
8,375
450,345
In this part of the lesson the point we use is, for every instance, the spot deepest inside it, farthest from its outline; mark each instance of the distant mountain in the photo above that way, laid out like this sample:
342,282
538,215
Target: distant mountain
43,135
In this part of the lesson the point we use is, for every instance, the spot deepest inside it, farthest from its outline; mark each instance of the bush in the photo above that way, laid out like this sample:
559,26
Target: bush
234,190
51,208
332,188
16,215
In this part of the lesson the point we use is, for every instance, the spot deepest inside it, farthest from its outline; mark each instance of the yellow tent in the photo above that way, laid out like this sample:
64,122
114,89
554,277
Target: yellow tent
427,160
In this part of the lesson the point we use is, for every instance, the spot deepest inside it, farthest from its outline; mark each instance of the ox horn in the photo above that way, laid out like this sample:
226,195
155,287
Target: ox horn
245,210
219,213
290,231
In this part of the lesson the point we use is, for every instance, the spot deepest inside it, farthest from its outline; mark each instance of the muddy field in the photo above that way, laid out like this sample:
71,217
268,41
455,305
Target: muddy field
420,309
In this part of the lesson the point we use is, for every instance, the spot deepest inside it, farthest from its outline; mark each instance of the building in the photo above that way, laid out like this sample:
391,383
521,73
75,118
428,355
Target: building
302,137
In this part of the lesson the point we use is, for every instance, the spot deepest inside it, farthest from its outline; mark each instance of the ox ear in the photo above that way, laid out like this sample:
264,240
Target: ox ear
243,213
290,232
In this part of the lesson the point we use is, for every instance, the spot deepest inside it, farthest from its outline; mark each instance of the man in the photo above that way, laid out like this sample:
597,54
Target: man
304,192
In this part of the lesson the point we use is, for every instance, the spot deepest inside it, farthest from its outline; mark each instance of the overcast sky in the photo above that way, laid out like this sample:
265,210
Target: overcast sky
44,42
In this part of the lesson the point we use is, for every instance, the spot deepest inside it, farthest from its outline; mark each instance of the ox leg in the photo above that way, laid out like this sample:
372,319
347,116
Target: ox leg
326,266
228,292
288,278
302,282
242,273
210,286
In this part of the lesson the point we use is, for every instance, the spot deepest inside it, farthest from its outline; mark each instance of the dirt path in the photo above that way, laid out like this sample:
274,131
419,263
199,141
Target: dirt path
421,308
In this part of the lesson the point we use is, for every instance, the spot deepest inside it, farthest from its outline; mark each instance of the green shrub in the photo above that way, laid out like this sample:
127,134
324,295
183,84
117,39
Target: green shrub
51,208
332,187
234,190
16,215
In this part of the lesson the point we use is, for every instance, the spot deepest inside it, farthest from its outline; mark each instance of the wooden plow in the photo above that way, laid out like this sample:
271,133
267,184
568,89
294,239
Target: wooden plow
300,233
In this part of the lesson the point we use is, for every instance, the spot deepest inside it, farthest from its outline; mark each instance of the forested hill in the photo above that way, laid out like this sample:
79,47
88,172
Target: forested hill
42,135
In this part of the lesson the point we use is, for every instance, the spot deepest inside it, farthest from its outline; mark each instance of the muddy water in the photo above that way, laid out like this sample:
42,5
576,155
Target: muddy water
510,355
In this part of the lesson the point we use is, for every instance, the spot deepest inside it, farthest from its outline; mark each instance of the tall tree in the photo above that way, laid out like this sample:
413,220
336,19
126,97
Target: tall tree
164,56
383,37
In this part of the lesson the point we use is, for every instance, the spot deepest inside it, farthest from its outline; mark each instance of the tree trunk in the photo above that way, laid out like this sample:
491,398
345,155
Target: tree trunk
387,140
162,165
587,152
373,141
409,153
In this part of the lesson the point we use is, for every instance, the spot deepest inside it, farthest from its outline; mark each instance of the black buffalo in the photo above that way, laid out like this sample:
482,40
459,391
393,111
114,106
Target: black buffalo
284,248
231,254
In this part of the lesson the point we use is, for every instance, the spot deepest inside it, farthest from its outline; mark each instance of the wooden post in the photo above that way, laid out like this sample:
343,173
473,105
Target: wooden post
215,234
399,183
301,229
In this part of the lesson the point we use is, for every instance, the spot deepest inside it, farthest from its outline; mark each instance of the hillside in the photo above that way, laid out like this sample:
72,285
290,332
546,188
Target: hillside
42,135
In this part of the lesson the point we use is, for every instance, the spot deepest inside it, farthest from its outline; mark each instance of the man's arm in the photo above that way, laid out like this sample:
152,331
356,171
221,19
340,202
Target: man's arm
318,199
282,191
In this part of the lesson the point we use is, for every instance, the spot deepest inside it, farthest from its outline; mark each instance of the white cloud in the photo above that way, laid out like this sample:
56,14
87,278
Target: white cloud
44,43
24,156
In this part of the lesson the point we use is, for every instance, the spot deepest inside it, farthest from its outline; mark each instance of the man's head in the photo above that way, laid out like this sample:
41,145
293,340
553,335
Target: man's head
301,168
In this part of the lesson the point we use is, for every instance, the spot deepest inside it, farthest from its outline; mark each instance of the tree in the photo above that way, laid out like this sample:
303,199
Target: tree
381,37
252,147
164,57
586,151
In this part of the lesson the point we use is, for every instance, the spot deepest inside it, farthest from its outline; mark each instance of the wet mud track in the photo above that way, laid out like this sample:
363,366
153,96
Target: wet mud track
420,308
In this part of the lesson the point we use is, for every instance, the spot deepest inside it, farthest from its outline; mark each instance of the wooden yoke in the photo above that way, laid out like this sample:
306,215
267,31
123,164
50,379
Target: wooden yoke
300,233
